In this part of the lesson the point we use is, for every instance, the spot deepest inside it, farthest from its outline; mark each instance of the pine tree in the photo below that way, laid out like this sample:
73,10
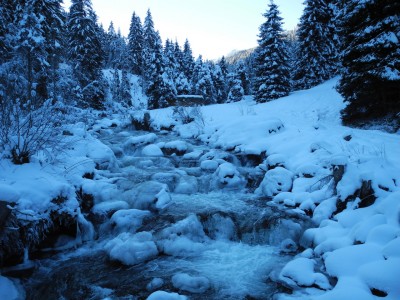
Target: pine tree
159,86
243,77
204,83
223,65
85,53
29,45
316,54
135,45
187,60
236,93
370,79
219,81
273,75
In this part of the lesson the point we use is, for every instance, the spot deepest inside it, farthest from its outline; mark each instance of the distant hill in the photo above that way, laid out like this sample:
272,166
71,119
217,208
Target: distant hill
236,56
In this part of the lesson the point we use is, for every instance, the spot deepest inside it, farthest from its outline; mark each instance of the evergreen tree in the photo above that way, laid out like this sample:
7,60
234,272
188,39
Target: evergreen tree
204,83
187,60
243,77
159,86
223,65
85,53
219,81
135,45
126,97
272,71
316,54
236,93
29,46
370,79
182,85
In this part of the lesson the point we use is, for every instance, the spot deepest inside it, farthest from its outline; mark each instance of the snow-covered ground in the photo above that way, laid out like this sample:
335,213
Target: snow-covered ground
301,134
353,251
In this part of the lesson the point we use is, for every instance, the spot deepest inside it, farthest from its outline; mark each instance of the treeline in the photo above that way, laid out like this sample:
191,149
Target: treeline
358,40
47,53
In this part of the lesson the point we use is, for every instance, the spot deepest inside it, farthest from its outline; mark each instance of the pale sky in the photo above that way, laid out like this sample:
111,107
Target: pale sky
213,27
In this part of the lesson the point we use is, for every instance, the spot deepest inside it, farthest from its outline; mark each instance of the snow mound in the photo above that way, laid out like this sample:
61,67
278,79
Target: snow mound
128,220
192,284
132,249
152,150
276,181
161,295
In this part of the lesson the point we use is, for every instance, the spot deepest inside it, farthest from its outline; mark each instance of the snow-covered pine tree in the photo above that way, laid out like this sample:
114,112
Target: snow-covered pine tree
159,86
182,85
236,93
272,71
135,45
187,61
85,53
370,79
29,49
243,77
171,64
219,82
204,83
223,65
126,97
317,57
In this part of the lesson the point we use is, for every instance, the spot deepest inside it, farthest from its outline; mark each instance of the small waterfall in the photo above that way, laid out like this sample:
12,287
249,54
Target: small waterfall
85,230
26,260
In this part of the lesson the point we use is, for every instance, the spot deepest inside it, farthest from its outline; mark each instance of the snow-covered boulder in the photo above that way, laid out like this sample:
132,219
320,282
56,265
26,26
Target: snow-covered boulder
184,238
161,295
193,284
8,290
209,165
132,249
152,150
148,195
140,140
276,181
300,273
128,220
175,147
228,176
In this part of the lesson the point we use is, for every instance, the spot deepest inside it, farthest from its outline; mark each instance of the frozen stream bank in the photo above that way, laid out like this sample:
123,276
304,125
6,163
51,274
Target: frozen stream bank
173,216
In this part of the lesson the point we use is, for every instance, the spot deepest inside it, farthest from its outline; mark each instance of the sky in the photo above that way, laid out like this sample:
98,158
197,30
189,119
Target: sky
213,27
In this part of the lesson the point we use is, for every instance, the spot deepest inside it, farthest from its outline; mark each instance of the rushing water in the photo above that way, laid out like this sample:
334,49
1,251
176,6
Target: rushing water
237,255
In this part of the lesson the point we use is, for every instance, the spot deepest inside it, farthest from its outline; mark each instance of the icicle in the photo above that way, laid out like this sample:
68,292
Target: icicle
85,230
26,256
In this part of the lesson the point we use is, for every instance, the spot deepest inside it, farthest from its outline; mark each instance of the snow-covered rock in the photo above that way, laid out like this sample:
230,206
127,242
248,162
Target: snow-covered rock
300,273
128,220
161,295
149,195
193,284
152,150
276,181
228,176
184,238
132,249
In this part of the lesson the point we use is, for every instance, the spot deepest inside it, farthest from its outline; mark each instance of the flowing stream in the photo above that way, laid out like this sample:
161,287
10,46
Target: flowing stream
240,248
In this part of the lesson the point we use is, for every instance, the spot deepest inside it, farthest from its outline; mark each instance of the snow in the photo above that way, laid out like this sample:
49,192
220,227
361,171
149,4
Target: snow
161,295
300,271
132,249
193,284
128,220
303,140
276,181
8,290
152,150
